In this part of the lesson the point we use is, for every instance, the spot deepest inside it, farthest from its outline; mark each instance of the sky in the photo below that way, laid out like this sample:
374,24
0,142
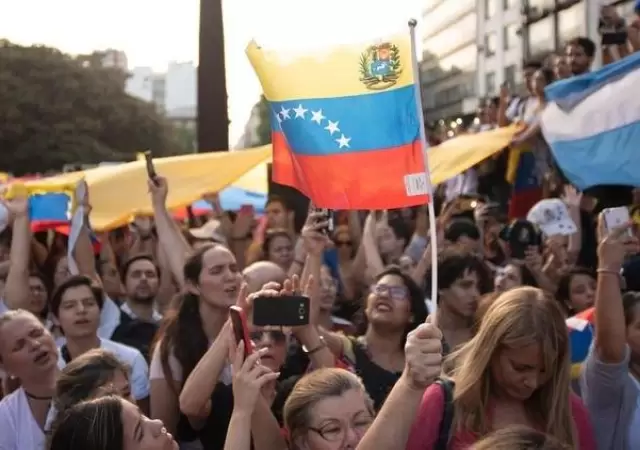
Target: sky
153,33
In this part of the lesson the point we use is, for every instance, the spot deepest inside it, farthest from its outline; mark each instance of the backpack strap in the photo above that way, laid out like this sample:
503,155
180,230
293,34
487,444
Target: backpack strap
444,432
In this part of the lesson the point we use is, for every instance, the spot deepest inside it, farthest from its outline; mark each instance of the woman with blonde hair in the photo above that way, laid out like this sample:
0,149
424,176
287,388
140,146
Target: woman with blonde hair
519,438
514,371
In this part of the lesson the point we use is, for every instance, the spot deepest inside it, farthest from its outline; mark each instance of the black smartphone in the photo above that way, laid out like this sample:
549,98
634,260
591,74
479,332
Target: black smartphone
522,235
328,215
283,311
151,170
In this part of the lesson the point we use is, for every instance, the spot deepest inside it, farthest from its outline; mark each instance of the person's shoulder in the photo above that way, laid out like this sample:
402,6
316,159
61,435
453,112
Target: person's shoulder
124,352
9,406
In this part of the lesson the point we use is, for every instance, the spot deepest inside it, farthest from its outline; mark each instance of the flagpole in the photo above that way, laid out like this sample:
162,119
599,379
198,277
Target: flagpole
433,235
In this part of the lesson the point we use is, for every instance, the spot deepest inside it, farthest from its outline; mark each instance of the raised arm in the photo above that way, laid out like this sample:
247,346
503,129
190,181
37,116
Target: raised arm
175,246
16,290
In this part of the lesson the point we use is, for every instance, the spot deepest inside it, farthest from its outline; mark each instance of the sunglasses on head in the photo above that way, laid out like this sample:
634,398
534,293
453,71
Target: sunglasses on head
275,335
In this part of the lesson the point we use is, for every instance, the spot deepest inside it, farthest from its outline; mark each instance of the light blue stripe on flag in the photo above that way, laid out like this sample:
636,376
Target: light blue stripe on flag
592,124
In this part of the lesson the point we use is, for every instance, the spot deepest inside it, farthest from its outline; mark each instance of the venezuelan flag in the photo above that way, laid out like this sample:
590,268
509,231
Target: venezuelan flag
345,125
526,187
580,338
48,210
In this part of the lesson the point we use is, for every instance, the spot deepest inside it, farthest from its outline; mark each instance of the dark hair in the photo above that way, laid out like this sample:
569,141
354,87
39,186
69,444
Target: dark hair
92,424
82,377
452,265
419,310
269,237
72,282
181,331
629,302
533,64
400,228
277,199
548,75
587,45
460,227
563,291
129,262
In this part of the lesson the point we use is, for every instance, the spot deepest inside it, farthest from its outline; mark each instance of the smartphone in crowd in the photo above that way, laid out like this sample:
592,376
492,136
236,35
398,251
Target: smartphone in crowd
241,328
151,170
328,215
283,311
615,218
521,235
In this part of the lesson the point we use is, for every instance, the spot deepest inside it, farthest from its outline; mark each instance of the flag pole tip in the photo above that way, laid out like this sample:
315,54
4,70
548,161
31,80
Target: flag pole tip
413,23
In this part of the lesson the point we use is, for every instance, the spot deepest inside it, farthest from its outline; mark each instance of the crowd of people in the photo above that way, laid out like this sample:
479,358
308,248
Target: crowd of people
130,345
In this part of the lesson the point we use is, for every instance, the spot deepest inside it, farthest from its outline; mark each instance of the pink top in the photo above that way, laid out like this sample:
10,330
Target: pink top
424,433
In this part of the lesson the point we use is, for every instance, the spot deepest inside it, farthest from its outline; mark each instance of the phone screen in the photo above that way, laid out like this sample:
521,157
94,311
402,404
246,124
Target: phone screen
240,328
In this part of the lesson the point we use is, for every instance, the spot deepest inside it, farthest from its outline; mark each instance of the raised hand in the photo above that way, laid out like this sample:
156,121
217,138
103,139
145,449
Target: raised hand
249,376
315,241
159,189
614,246
423,356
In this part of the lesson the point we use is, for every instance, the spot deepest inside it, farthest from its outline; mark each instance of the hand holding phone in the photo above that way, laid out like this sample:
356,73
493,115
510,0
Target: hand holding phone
616,218
328,215
151,170
241,329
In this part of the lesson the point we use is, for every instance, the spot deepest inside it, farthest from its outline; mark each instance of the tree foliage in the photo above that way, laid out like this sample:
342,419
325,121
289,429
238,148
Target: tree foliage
56,110
263,131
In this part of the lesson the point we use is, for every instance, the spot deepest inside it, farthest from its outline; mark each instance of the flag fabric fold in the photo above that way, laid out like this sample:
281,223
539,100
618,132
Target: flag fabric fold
526,186
580,329
592,124
345,125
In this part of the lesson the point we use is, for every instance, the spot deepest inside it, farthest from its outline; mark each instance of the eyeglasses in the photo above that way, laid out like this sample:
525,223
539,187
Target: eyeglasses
276,336
393,292
338,432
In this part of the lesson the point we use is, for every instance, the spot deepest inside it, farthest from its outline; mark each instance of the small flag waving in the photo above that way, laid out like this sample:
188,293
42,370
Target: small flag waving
345,126
592,123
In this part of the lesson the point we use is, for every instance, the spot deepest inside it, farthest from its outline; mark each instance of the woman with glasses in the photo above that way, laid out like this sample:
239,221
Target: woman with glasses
394,307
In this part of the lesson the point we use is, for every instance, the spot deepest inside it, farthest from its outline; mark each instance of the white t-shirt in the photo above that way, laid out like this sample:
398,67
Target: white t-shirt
18,428
156,372
132,358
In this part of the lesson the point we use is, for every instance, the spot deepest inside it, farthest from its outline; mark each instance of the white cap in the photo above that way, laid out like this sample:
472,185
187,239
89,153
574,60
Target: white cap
552,217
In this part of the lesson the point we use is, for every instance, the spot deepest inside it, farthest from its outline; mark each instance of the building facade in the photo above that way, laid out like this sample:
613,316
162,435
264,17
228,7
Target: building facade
449,58
549,24
172,91
499,41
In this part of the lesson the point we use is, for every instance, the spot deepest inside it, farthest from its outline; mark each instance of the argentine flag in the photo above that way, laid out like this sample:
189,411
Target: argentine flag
592,124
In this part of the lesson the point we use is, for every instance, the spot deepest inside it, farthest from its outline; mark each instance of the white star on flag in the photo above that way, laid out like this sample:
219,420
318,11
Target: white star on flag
332,127
300,111
317,117
284,113
343,141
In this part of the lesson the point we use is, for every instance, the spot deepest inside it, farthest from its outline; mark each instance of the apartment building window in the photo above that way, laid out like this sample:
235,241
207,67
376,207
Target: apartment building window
510,36
490,8
490,83
540,37
510,75
571,23
490,44
508,4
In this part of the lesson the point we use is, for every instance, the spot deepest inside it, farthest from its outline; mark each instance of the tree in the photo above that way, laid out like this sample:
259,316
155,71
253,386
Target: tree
57,110
257,130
